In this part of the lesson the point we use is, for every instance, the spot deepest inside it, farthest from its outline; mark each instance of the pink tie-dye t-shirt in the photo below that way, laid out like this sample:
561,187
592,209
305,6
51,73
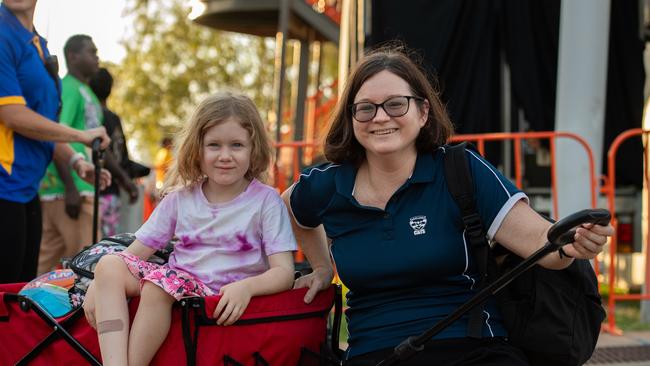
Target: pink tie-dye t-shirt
220,242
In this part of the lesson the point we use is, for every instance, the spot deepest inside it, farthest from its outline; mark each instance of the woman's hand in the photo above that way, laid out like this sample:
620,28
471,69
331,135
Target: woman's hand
319,279
89,305
589,241
91,134
234,300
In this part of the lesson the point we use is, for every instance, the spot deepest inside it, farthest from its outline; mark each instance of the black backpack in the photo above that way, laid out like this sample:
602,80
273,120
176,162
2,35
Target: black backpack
554,316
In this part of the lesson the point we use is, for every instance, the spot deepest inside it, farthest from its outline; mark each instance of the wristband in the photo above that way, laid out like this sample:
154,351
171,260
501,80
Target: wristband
563,254
74,159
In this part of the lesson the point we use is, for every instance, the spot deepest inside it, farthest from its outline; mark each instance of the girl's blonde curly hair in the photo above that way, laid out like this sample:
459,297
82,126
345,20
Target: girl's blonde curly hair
186,166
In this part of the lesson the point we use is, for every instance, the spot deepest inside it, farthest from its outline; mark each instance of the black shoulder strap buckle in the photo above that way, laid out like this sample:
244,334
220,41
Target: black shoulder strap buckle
474,229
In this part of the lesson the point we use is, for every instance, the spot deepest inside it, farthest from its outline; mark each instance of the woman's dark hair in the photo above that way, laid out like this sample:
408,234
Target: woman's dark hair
341,144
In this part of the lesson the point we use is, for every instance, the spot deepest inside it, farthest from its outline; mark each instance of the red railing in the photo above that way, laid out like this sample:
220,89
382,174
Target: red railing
551,136
280,176
331,8
610,191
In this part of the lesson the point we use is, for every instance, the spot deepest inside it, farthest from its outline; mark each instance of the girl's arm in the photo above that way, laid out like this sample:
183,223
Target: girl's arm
276,279
314,244
523,231
236,296
140,250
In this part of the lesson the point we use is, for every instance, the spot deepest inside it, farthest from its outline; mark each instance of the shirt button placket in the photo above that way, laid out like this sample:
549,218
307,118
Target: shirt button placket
387,226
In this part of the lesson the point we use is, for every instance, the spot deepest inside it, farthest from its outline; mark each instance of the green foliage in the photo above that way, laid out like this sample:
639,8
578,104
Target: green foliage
604,291
171,63
628,316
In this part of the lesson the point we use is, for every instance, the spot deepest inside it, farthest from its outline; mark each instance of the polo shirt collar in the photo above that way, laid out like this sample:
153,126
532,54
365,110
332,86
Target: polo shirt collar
344,179
347,173
424,169
24,34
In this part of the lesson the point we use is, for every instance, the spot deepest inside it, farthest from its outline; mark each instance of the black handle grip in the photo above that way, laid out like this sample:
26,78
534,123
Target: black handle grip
563,231
96,152
95,145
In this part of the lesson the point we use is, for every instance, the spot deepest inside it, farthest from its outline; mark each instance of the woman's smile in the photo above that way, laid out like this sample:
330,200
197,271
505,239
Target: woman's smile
384,131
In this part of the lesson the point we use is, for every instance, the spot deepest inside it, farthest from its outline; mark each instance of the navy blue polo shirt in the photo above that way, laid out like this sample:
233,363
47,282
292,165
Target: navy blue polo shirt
23,80
407,266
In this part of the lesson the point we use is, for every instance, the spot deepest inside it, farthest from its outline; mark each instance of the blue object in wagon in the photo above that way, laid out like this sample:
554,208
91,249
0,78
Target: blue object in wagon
52,298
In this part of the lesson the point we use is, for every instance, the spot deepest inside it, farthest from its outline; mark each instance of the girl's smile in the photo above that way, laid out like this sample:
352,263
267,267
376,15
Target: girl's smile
225,160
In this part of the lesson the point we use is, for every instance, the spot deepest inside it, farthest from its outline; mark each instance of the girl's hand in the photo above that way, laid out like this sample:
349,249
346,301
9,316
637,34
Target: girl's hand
89,306
589,241
234,300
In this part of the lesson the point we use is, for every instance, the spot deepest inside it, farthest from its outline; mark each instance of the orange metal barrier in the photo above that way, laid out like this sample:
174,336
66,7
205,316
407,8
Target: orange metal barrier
551,136
331,8
610,190
280,176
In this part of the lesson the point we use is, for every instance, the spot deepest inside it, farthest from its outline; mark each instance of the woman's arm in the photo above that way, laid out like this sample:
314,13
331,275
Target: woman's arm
30,124
523,231
316,248
236,296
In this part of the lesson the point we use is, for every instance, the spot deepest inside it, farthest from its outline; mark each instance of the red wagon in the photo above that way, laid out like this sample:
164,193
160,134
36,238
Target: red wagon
276,329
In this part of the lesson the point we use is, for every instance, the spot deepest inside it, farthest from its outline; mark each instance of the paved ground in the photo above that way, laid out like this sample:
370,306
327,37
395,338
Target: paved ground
629,349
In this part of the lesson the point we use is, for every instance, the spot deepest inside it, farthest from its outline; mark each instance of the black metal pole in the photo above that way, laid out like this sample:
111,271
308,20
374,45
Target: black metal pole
97,161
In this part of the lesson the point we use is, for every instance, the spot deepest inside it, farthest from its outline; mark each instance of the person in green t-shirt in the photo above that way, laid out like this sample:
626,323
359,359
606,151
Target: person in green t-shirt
66,199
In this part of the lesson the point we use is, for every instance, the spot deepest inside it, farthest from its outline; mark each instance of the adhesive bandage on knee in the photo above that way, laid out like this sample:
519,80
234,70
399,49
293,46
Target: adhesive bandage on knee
113,325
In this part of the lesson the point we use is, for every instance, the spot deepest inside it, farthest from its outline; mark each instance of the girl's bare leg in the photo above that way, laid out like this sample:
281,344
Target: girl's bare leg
113,284
151,324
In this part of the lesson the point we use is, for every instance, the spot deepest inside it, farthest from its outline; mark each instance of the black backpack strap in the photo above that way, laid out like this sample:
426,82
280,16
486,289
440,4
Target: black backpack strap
460,186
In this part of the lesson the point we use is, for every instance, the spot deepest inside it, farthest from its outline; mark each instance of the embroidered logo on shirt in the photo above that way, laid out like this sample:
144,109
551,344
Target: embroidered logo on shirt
418,223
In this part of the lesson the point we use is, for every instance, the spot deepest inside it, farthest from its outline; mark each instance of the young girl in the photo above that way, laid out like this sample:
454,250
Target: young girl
235,235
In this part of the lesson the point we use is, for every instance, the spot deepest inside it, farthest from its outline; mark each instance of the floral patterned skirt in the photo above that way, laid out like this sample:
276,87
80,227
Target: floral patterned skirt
109,208
175,282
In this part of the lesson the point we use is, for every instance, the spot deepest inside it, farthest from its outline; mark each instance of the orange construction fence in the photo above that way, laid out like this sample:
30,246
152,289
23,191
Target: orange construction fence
610,190
517,137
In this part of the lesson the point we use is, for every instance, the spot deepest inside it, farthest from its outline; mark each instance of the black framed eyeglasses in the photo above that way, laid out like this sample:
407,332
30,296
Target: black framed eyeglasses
394,107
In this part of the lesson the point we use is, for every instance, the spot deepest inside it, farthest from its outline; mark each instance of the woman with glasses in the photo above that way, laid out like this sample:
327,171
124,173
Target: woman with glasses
396,234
